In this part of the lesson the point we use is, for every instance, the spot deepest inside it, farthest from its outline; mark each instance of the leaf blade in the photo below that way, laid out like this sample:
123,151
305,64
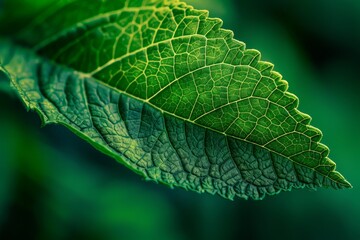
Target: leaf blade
246,96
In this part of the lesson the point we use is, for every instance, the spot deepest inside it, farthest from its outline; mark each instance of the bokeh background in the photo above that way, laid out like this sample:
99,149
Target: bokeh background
55,186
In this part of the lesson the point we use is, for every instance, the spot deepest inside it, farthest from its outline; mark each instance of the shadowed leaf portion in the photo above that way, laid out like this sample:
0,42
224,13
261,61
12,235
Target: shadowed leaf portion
163,89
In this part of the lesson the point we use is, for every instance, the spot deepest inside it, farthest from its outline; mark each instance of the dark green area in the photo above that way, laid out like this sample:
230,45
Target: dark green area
46,194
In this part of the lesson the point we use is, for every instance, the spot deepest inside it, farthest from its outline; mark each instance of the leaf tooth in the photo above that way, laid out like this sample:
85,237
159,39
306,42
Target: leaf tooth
302,118
264,67
215,31
324,151
191,11
306,119
290,101
251,57
281,84
314,134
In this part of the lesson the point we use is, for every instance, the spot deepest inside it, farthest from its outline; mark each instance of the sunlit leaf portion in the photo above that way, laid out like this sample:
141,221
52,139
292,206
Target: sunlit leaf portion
164,90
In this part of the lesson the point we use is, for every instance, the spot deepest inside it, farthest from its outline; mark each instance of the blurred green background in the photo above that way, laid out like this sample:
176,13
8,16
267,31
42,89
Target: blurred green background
55,186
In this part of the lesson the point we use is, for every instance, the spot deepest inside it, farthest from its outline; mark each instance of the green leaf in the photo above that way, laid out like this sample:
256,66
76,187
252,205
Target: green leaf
163,89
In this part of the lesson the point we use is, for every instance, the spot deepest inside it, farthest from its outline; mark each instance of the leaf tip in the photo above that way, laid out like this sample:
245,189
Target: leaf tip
341,181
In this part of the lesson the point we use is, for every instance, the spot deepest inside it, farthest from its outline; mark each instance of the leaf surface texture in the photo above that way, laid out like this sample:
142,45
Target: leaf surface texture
163,89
